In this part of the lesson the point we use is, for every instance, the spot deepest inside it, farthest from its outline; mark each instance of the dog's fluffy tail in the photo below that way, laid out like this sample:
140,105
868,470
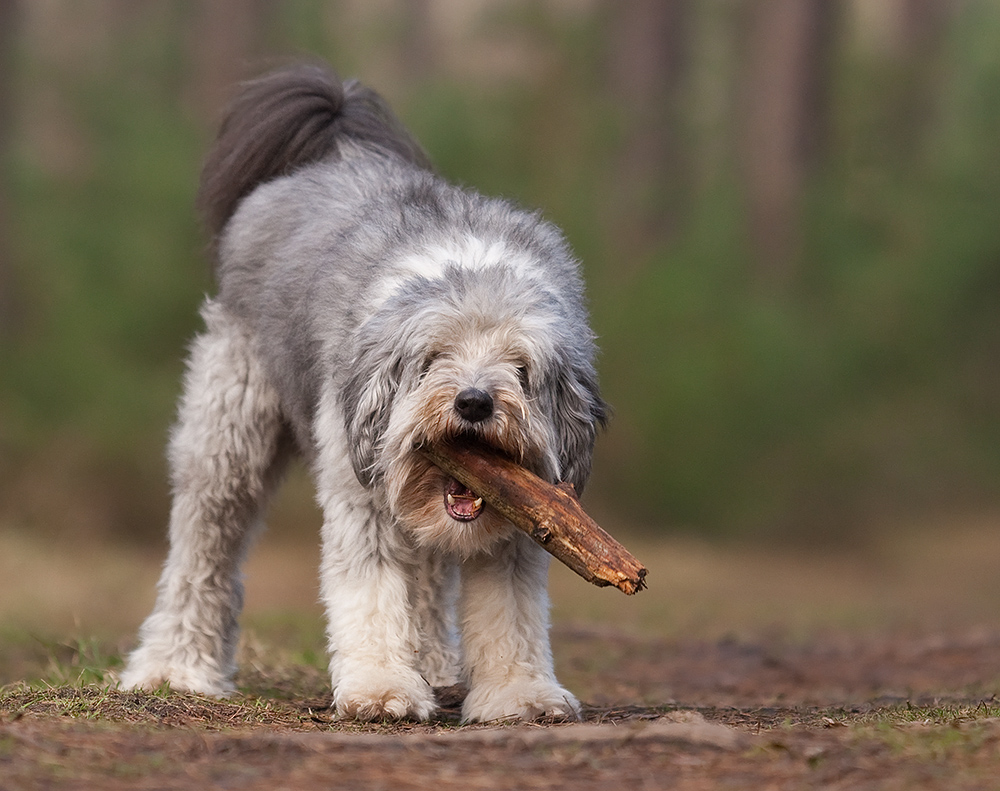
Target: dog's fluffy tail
287,119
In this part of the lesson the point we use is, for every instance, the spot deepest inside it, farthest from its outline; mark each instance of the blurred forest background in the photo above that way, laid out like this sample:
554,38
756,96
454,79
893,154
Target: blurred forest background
787,212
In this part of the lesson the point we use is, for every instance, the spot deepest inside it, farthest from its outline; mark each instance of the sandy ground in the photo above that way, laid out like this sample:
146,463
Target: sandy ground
740,667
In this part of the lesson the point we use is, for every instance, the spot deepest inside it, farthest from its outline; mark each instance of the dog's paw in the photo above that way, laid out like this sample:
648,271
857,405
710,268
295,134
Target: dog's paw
384,693
522,699
145,674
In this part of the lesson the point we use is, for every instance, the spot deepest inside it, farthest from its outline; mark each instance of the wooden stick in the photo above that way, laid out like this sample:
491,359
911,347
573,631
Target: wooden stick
550,514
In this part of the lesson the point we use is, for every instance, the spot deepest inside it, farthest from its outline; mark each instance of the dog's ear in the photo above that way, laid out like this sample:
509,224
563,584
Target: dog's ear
578,412
367,398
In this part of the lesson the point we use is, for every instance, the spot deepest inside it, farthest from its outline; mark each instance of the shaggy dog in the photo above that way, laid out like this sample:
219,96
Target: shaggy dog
365,307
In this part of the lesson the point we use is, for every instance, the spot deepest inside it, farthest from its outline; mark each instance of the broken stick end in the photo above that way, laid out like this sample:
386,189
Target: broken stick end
633,585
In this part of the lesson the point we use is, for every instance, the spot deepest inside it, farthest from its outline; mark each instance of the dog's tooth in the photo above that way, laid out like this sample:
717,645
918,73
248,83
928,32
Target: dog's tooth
477,503
451,499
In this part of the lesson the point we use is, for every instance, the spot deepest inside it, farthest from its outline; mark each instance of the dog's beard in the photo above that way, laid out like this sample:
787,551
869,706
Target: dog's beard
440,511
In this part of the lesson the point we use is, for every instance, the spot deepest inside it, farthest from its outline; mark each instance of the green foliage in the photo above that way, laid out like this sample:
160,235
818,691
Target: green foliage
109,259
58,663
869,384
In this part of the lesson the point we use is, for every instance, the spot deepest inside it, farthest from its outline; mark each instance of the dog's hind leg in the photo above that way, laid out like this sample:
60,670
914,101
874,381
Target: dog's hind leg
226,454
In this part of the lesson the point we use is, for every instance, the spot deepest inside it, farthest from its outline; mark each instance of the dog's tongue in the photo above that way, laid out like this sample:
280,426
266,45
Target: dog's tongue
461,502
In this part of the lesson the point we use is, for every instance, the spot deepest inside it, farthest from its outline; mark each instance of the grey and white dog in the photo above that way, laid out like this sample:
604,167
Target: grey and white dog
365,307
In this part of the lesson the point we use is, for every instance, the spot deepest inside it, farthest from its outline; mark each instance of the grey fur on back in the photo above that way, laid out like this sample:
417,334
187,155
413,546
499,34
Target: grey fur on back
320,214
287,119
359,295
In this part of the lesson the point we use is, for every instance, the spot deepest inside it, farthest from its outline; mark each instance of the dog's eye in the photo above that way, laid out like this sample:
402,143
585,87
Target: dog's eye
522,375
428,362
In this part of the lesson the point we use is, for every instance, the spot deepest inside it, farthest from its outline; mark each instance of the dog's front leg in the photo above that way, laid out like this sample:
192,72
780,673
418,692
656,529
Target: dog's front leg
374,643
505,637
434,595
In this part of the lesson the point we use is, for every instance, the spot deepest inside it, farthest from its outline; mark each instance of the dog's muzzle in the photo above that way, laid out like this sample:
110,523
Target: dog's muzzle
462,504
474,405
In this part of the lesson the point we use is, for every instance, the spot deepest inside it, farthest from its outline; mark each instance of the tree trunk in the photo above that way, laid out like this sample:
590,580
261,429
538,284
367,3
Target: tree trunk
10,311
418,51
782,119
226,35
647,69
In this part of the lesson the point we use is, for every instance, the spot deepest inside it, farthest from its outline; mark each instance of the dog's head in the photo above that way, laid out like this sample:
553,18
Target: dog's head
485,354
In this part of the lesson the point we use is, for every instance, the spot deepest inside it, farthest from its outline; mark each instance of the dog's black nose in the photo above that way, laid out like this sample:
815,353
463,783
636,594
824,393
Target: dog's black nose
474,405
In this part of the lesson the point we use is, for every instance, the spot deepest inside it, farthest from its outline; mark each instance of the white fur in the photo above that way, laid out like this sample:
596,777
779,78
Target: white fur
374,640
505,625
468,252
390,595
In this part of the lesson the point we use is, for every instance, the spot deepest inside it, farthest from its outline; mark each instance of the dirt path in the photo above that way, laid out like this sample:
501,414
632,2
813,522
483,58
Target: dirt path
651,756
839,712
741,668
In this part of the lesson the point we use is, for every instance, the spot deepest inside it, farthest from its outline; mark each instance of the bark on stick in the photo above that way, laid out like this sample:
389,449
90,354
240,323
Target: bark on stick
550,514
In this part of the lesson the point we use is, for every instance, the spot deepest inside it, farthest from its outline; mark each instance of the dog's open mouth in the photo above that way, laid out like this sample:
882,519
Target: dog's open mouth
461,503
